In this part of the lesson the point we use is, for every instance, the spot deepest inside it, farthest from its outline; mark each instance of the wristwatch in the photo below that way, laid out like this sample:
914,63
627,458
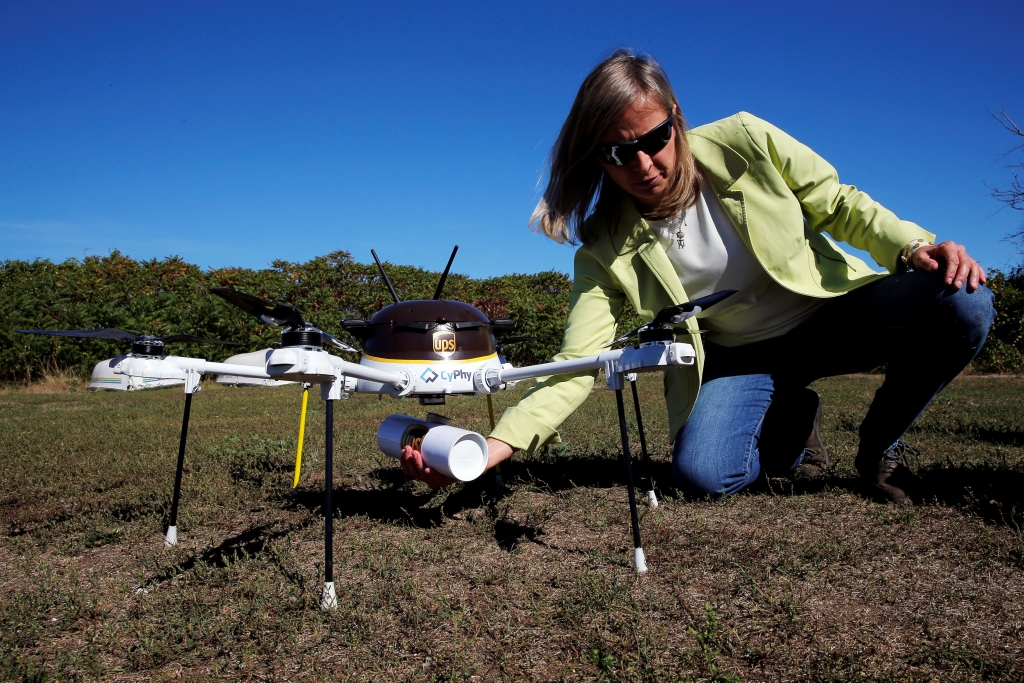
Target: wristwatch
904,264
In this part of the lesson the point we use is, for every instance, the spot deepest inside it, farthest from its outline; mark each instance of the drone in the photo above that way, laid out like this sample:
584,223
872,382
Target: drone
103,377
430,349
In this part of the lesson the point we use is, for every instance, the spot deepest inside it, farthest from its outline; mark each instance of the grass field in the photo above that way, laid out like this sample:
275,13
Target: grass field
787,582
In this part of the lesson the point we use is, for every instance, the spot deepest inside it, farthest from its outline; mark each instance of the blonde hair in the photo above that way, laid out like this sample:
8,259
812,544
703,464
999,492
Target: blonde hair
577,184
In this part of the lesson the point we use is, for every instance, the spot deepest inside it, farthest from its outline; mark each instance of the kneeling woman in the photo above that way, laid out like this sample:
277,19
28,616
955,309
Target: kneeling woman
666,215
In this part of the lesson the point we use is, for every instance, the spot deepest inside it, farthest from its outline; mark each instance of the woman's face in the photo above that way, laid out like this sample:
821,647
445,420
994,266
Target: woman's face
646,178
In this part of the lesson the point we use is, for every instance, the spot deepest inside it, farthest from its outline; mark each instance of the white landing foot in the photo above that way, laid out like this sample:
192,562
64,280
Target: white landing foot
171,539
640,560
328,598
652,499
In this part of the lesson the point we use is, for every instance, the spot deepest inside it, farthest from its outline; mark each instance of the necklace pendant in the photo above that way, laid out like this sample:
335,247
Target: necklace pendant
681,238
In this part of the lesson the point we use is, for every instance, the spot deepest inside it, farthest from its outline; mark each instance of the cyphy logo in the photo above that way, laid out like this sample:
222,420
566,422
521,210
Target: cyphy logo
444,344
446,376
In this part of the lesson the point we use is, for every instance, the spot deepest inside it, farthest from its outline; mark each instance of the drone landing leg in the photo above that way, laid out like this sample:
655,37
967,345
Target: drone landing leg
638,551
328,598
171,539
302,435
652,498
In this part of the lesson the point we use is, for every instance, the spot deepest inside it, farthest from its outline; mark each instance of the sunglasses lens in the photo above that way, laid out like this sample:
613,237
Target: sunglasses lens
619,155
651,142
655,141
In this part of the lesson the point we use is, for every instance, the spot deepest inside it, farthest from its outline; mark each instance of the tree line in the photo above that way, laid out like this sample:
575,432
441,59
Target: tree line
169,296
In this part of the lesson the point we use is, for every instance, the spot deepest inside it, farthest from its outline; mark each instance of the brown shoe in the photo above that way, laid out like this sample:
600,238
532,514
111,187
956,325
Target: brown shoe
890,476
814,463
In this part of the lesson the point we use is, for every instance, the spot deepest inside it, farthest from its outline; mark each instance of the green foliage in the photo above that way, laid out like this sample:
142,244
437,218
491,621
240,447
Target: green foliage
1004,350
170,296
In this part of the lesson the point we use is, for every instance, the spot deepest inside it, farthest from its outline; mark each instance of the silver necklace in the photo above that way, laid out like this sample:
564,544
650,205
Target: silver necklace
680,235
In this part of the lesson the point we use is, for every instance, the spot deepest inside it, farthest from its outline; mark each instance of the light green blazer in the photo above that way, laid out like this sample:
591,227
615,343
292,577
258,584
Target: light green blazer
780,196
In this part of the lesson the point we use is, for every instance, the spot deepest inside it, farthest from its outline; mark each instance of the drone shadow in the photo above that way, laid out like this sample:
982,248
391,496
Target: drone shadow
246,544
995,494
400,503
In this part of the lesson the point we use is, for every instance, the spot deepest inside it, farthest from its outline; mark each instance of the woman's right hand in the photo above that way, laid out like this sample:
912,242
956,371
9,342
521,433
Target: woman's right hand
413,464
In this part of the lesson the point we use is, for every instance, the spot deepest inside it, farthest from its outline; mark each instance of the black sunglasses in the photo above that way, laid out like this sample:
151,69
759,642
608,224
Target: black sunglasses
651,142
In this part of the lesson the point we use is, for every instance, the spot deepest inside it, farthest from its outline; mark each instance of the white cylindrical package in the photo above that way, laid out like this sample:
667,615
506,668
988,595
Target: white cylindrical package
399,431
455,452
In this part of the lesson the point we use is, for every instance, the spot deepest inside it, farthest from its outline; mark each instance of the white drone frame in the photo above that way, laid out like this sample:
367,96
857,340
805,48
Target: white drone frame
338,377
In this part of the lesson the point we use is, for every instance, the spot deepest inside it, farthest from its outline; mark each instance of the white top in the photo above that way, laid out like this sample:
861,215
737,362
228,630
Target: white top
708,256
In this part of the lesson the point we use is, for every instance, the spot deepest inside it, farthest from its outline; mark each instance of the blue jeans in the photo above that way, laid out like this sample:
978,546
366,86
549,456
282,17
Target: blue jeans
753,409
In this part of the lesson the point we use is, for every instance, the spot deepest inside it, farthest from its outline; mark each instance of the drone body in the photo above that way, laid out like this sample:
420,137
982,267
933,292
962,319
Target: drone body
441,345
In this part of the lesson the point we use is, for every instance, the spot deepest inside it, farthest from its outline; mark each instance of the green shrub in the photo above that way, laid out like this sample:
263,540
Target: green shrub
1004,350
170,296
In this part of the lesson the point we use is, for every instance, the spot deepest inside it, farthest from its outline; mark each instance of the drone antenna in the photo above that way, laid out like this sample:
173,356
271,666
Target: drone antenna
444,275
387,280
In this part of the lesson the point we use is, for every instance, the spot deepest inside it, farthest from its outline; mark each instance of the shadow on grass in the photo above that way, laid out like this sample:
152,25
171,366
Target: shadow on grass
995,494
246,544
399,503
994,437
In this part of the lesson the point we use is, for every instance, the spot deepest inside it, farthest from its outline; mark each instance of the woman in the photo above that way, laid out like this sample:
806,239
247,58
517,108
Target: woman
739,204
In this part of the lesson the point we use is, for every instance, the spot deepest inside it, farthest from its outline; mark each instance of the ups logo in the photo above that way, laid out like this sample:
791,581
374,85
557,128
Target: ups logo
444,344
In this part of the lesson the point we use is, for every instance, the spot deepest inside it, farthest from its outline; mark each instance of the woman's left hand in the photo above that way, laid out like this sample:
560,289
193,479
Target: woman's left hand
960,268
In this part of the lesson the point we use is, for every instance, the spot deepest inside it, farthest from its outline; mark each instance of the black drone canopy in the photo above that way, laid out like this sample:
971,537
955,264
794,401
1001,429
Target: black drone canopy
426,330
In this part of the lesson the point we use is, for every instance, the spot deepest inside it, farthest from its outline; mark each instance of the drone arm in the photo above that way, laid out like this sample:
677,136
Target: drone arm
355,371
290,364
232,369
177,367
562,367
629,359
397,380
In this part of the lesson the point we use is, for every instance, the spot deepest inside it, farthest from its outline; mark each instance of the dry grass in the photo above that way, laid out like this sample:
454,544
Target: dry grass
808,582
50,383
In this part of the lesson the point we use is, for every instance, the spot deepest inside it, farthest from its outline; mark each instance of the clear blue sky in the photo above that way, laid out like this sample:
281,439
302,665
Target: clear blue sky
238,133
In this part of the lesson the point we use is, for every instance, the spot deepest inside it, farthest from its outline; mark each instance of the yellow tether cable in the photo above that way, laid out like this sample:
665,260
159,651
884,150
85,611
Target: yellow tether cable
302,434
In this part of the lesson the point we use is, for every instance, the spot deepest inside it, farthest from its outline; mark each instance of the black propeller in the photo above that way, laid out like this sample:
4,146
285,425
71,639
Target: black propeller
280,315
271,312
127,337
673,315
677,314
